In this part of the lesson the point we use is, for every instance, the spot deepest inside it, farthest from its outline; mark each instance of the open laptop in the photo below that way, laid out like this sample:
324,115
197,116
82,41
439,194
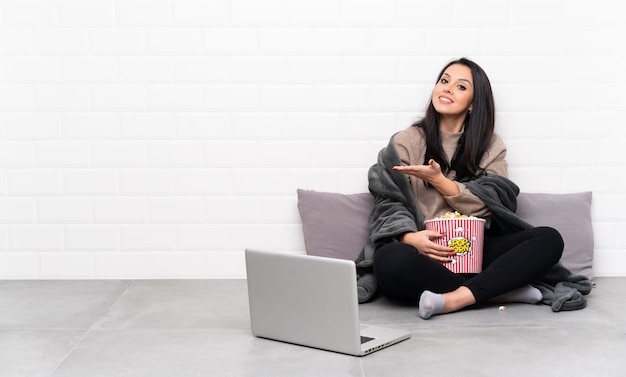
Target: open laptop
310,301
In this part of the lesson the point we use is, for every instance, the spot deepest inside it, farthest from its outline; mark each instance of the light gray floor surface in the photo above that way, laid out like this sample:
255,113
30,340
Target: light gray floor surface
202,328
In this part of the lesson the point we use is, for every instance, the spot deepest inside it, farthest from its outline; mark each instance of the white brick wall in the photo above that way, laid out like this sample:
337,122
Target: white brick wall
159,138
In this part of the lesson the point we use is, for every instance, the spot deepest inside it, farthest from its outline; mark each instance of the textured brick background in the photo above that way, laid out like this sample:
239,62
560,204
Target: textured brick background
159,138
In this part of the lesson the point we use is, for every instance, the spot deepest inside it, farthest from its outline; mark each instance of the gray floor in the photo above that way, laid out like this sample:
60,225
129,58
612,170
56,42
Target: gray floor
201,328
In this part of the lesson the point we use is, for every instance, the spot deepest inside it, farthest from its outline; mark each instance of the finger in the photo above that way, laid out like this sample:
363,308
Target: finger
436,245
434,164
433,233
444,253
441,251
399,167
406,167
404,170
439,258
438,252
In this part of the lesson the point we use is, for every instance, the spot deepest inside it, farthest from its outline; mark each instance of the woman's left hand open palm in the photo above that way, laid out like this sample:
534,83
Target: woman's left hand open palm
428,173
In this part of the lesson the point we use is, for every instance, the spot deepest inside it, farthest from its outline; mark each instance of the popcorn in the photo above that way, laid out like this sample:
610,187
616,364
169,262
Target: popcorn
454,215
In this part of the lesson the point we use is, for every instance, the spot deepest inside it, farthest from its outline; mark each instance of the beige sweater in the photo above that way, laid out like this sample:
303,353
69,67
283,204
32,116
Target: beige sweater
411,146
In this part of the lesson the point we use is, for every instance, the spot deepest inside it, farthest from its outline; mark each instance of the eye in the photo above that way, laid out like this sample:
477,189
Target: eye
443,81
461,87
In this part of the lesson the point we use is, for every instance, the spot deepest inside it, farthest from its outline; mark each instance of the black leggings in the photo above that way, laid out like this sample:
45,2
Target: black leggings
509,262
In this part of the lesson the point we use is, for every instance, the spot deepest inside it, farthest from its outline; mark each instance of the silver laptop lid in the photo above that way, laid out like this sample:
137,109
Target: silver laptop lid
304,300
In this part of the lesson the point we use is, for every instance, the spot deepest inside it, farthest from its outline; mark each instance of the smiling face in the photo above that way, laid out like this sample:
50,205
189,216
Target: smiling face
453,93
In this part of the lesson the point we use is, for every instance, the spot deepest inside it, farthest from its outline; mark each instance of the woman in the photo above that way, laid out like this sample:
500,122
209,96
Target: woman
451,160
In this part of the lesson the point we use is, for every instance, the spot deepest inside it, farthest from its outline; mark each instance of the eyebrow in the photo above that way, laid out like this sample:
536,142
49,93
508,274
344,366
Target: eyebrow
466,80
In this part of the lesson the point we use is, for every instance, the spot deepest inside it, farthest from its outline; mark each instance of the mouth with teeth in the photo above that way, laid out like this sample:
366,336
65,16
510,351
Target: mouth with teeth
444,99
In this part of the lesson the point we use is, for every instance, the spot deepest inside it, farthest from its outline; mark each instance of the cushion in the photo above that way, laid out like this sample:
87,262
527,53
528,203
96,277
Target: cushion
570,214
334,224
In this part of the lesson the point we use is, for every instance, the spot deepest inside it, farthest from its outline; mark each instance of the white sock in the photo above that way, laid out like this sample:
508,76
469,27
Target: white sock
526,294
430,304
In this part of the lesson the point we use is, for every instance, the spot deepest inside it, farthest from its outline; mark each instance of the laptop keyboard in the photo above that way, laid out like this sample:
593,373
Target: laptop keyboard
365,339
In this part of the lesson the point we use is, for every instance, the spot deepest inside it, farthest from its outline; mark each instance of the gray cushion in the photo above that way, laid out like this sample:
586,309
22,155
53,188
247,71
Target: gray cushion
570,214
335,225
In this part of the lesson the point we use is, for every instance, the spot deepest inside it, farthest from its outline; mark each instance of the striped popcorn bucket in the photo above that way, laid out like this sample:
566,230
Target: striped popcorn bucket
465,236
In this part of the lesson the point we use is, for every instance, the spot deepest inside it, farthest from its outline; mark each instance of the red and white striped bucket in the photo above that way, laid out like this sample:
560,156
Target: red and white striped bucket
465,236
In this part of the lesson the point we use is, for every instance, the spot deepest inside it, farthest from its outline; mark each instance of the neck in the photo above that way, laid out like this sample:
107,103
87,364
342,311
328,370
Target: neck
452,124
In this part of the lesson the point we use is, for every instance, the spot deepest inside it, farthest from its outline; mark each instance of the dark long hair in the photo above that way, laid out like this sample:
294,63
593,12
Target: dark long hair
478,128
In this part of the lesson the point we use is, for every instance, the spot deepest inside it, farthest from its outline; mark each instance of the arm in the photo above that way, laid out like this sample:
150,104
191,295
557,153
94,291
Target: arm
392,215
456,193
432,174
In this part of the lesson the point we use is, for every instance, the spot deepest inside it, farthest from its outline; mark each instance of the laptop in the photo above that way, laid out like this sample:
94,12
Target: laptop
310,301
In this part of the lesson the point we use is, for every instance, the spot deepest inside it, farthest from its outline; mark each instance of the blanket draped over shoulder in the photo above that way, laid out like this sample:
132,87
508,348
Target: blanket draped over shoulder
396,212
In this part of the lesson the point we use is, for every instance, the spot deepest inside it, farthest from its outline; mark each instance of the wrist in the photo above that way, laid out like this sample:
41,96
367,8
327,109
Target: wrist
446,186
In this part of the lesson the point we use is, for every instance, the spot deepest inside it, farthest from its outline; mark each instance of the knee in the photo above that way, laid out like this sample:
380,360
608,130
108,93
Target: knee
384,259
552,240
389,259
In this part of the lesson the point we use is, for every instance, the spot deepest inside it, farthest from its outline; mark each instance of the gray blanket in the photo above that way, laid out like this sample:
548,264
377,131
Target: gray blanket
396,212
